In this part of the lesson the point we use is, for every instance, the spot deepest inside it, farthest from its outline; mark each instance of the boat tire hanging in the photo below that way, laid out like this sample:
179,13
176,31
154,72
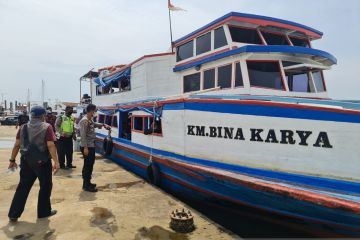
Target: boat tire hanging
108,146
153,173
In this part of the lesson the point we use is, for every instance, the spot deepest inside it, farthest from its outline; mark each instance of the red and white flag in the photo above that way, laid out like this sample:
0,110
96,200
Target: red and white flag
174,8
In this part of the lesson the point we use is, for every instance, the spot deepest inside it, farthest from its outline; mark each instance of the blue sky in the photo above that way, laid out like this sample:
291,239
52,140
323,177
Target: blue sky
59,40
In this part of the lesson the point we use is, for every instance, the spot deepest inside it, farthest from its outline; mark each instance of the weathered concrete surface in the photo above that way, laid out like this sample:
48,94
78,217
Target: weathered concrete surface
125,207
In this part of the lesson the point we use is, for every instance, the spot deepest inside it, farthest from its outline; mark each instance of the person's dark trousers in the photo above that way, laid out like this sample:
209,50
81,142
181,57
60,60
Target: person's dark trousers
28,175
65,149
88,167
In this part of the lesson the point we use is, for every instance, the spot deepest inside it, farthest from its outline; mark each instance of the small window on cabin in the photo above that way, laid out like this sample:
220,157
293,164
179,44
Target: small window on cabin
298,81
203,44
209,79
274,38
238,76
192,83
245,35
224,76
319,81
114,121
300,42
152,127
108,120
101,118
138,123
185,51
265,74
220,38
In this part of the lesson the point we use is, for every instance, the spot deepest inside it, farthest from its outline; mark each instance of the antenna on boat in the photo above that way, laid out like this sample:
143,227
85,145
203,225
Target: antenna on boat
171,7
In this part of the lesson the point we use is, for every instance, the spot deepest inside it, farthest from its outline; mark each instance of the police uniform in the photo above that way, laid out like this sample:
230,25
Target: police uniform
88,136
65,127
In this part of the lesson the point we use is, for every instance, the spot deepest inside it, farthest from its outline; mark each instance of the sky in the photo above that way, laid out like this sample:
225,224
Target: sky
60,40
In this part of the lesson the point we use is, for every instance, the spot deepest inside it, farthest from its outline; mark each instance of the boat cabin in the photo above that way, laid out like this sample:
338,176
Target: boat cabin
233,55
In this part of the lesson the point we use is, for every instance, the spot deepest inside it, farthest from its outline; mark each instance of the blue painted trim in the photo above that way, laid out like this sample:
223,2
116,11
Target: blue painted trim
237,14
269,111
317,182
260,49
344,104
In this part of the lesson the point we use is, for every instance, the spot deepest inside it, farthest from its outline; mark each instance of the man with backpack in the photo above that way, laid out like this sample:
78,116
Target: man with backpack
35,141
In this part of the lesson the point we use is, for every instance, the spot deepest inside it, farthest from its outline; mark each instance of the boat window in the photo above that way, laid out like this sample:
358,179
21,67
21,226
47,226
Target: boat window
101,118
274,38
152,127
192,83
185,51
245,35
138,124
300,42
224,76
238,76
209,78
125,125
115,87
203,44
114,122
265,74
220,38
298,81
319,81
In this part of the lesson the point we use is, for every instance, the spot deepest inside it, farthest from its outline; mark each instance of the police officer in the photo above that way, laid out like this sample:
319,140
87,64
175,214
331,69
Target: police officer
39,136
87,145
65,129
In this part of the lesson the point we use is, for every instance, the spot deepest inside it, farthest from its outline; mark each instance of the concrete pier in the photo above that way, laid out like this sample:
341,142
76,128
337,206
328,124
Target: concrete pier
126,207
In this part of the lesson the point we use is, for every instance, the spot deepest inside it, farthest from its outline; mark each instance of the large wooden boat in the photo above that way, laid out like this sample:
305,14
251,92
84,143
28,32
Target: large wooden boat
238,112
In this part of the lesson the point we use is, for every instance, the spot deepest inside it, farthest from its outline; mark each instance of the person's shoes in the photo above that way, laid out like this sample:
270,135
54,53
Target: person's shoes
13,220
64,167
52,213
90,189
93,185
71,166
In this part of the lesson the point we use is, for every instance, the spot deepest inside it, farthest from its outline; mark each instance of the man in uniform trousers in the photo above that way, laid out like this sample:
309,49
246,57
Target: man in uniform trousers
36,137
87,145
65,129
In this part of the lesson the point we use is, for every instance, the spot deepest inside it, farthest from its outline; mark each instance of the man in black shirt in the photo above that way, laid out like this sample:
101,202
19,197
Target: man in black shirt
22,119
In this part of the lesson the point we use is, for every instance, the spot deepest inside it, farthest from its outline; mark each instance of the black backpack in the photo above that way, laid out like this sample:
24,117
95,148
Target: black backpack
31,153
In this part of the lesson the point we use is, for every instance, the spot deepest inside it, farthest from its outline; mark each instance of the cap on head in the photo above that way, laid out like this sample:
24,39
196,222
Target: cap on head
37,111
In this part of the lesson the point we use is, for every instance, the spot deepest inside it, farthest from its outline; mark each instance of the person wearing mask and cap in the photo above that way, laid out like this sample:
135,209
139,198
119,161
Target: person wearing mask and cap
50,118
35,141
87,145
65,130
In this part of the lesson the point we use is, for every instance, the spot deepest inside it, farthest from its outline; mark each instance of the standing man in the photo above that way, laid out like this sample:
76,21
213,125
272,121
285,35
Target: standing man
87,145
40,140
22,119
65,128
50,118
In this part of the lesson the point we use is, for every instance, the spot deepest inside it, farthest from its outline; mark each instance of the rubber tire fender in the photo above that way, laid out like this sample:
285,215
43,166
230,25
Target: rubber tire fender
108,146
153,173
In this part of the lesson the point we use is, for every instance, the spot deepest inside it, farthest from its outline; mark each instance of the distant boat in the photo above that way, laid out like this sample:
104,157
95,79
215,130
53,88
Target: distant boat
239,114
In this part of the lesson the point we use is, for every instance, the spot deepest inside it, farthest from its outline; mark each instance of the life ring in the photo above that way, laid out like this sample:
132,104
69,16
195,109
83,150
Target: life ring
108,146
153,174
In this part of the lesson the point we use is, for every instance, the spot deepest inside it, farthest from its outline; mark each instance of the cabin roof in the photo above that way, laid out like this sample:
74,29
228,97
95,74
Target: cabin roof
255,19
330,59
